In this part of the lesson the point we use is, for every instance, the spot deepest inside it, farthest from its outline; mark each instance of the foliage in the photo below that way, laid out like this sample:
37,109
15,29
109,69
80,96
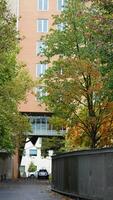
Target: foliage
79,84
15,82
32,167
76,139
52,143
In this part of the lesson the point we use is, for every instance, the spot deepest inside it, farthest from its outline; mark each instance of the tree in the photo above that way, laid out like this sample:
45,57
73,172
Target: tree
15,82
32,167
78,83
52,143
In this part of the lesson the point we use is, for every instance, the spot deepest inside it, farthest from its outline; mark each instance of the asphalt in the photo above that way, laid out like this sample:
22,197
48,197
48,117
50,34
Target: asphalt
28,190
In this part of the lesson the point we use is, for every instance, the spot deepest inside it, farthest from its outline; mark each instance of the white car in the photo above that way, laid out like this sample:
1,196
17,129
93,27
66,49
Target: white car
32,174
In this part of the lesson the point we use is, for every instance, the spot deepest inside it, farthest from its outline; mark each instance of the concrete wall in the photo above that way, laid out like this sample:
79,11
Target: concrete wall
84,174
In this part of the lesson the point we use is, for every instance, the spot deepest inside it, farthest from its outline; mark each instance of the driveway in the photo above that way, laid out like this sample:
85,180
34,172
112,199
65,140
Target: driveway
28,190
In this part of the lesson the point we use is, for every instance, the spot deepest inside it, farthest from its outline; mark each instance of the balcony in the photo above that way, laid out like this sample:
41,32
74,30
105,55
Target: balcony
41,127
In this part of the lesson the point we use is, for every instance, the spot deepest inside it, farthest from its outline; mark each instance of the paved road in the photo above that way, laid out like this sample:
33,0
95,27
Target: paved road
28,190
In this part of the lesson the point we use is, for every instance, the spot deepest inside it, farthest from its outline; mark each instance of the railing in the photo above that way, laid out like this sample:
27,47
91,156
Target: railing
84,174
46,133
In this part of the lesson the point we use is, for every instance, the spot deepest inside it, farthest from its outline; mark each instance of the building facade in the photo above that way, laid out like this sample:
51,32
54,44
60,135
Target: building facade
35,22
34,19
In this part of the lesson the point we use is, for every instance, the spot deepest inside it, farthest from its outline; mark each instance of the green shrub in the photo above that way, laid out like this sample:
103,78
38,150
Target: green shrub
32,167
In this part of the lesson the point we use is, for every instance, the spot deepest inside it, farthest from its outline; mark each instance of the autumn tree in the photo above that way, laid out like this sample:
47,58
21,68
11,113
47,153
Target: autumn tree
78,85
14,83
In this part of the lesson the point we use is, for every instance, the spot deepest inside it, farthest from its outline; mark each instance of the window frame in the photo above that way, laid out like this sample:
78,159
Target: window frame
40,23
42,7
39,91
31,154
62,3
40,125
60,27
39,44
43,67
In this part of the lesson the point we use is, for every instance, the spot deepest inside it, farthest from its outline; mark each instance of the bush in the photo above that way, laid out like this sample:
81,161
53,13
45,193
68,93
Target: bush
32,167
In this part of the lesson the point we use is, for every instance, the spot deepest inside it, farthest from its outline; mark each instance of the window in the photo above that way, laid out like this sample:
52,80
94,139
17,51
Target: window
60,4
42,25
39,47
33,152
41,123
32,120
40,92
60,27
44,123
43,5
40,69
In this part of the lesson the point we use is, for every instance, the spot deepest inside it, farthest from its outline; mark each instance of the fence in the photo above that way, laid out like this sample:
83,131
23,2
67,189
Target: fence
85,174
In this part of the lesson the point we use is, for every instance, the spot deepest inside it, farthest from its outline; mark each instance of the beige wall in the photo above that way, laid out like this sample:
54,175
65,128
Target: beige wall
27,26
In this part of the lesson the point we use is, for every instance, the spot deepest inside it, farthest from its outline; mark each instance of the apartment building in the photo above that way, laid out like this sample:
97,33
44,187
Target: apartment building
35,20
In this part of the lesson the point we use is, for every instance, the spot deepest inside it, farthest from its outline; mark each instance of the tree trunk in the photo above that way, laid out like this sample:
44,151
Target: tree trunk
93,140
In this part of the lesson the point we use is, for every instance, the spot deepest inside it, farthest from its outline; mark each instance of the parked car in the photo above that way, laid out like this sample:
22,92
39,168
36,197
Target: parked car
32,174
43,173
